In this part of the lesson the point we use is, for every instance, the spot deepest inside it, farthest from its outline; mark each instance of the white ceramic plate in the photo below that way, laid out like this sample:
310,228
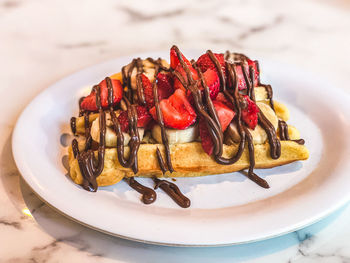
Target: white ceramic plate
226,209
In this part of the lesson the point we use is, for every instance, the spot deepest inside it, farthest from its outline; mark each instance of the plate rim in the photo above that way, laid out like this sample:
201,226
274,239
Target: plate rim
23,170
327,213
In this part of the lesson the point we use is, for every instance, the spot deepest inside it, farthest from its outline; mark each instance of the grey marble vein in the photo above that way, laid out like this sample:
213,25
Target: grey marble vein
82,45
10,4
14,224
136,16
260,28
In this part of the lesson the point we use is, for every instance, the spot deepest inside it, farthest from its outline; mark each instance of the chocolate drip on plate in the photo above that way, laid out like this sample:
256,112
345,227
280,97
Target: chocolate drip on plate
173,191
148,194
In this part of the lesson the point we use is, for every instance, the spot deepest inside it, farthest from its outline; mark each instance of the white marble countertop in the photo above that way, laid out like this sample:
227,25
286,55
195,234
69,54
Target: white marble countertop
42,41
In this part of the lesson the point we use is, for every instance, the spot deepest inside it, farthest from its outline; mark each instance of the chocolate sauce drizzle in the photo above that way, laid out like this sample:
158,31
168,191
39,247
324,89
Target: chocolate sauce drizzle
127,71
91,167
284,135
126,74
212,122
161,161
73,125
163,131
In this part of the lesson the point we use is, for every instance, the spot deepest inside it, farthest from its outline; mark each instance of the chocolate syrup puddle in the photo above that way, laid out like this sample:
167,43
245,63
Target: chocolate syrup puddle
148,194
173,191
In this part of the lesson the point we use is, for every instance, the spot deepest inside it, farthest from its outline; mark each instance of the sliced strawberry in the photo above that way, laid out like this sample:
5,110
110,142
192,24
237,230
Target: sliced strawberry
182,72
250,113
207,143
254,64
213,82
222,98
225,114
177,111
165,85
143,118
89,103
174,60
241,80
204,63
147,91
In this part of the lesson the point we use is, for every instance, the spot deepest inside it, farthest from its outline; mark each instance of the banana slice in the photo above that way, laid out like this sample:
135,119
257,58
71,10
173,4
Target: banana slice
260,94
176,136
259,135
232,136
269,113
111,137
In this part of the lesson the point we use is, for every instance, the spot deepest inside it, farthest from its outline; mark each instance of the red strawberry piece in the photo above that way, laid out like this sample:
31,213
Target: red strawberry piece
213,82
143,118
222,98
240,77
225,114
165,85
147,91
241,80
204,63
89,103
207,143
182,72
250,113
174,60
254,64
177,111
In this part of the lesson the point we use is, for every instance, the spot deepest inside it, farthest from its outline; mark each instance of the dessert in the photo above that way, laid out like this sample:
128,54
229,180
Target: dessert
189,118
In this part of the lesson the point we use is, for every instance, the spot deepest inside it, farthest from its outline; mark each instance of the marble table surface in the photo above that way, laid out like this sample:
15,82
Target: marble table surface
42,41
